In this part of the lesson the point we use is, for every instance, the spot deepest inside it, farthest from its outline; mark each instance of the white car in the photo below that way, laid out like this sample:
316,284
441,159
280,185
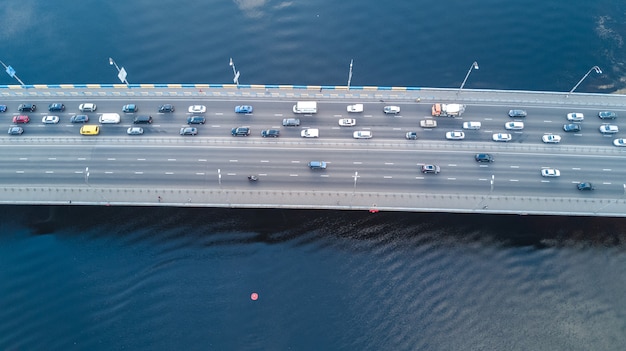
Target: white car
575,116
609,129
393,110
362,134
471,125
134,131
310,133
88,107
501,137
355,108
514,125
197,109
347,122
551,139
50,119
550,172
428,123
619,142
456,135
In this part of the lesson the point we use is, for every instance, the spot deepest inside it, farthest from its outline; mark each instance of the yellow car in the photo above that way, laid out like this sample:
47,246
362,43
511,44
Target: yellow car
90,130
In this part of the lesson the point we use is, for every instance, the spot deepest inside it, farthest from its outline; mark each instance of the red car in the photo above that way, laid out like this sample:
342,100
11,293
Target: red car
21,119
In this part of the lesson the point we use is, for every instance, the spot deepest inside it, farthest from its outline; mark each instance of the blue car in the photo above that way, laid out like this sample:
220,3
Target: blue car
3,108
243,109
130,108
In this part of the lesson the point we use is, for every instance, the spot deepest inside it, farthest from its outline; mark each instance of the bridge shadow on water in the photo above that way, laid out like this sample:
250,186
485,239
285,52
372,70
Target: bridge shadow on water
219,226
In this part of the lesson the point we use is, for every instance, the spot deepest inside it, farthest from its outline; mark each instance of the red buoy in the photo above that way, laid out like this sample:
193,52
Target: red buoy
254,296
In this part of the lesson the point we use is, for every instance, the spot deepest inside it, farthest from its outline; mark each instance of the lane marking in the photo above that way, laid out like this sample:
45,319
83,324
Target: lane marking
138,172
171,159
201,160
108,172
200,173
19,171
514,166
49,172
141,159
265,161
233,160
387,177
169,173
52,158
110,159
293,175
513,180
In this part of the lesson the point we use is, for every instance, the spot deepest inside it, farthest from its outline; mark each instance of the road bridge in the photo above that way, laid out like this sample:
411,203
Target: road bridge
54,164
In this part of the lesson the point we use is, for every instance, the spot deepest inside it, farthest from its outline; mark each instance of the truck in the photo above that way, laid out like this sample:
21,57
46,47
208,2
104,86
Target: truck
305,107
448,110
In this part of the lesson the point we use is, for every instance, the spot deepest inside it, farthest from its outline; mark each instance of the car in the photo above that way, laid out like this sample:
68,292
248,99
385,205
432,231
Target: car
607,115
197,109
609,129
347,122
483,158
15,130
501,137
79,119
456,135
411,135
355,108
550,172
56,107
291,122
551,139
21,119
3,108
166,108
87,107
362,134
431,169
310,133
317,165
514,125
134,131
90,129
142,120
517,113
391,110
196,120
572,127
27,108
619,142
428,123
188,131
130,108
585,186
243,109
50,119
575,116
240,131
472,125
270,133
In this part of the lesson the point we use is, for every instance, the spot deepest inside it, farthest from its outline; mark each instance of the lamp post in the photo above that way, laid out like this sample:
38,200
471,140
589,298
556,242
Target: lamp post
594,68
235,73
121,72
11,72
473,66
350,74
492,180
355,176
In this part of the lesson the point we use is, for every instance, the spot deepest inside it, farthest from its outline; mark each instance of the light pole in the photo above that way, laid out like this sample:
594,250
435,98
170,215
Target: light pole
355,176
235,73
87,176
219,177
492,179
350,74
473,66
11,72
594,68
121,72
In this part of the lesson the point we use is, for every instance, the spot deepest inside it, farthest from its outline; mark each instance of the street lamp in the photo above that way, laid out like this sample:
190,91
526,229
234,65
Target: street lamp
355,176
11,72
350,74
121,72
235,73
594,68
473,66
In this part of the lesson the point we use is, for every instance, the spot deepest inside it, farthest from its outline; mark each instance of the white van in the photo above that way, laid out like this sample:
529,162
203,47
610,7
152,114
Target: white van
109,118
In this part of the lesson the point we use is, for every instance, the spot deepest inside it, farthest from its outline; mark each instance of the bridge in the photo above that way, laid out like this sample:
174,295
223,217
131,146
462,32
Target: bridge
53,164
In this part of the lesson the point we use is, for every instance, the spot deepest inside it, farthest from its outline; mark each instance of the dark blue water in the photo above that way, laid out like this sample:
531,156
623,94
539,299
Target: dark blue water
92,278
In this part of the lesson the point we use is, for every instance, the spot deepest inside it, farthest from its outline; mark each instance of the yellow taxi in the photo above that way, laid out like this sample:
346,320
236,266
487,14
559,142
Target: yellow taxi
90,130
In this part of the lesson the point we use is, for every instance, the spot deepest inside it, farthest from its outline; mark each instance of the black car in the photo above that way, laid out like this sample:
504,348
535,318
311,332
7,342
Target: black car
79,119
411,135
196,120
271,133
517,113
483,158
166,108
27,108
56,107
585,186
572,127
142,120
241,131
